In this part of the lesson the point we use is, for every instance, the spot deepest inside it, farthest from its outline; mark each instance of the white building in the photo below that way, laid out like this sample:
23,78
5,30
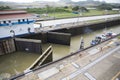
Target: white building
15,23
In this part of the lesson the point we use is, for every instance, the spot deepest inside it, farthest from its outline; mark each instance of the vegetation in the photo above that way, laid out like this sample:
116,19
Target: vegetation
83,9
66,7
69,11
4,7
116,6
65,12
118,37
105,7
76,8
48,9
80,9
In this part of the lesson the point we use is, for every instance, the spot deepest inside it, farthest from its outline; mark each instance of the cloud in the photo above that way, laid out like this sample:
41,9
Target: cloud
109,1
18,0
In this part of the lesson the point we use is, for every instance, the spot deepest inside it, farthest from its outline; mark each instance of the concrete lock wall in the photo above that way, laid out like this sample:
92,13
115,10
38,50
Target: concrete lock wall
28,45
59,38
7,46
38,36
102,25
52,37
76,30
1,49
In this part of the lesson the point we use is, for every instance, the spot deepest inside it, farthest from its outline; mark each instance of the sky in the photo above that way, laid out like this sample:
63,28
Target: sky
19,1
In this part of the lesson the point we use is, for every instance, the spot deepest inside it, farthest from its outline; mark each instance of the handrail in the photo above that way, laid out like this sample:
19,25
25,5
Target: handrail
41,57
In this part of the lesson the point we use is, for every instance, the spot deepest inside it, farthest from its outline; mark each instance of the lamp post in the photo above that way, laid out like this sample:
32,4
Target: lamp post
54,13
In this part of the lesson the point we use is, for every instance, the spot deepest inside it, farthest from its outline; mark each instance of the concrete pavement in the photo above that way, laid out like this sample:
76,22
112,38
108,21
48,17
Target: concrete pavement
74,20
71,76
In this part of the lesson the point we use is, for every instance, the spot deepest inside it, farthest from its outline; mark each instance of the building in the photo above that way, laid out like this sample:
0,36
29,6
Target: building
15,23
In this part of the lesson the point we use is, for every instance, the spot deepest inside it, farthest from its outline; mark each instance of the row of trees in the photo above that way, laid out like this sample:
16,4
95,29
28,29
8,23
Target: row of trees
4,7
48,9
103,6
80,9
106,6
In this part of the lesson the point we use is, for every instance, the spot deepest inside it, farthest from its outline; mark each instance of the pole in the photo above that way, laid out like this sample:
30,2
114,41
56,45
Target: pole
81,43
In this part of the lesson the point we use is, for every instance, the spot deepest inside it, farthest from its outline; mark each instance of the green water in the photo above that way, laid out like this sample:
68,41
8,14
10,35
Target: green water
16,63
62,50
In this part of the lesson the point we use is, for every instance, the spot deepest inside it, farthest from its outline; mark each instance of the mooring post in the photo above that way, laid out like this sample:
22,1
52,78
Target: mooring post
81,43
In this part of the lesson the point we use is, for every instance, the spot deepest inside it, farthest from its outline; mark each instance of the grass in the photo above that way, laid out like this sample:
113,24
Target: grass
66,13
118,37
90,13
63,15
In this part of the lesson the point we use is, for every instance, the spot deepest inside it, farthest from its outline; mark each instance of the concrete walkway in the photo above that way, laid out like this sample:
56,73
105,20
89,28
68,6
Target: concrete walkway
71,76
74,20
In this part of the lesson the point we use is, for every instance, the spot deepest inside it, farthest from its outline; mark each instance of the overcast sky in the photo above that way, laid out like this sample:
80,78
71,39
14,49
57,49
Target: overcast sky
109,1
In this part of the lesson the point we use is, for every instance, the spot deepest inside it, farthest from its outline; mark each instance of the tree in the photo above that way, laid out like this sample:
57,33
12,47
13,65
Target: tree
83,9
66,7
7,7
4,7
47,8
76,8
104,7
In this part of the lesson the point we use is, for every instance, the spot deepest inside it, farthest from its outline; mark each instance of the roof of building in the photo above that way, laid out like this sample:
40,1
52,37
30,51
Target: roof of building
15,16
9,15
12,11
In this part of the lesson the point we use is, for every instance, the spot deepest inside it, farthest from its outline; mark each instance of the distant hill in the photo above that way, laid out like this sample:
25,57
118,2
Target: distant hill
36,4
40,4
82,3
66,1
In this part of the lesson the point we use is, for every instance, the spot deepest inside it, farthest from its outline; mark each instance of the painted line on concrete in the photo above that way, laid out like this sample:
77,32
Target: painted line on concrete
93,51
79,71
48,73
89,76
114,78
116,56
75,65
